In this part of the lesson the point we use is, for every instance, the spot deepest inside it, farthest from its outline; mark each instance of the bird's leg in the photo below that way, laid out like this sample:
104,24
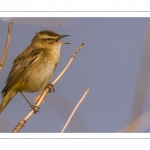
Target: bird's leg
34,108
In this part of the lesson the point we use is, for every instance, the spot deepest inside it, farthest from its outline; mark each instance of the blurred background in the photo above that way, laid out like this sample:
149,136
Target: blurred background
114,63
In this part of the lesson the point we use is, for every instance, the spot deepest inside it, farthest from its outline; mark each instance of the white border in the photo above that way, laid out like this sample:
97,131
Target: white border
76,135
77,5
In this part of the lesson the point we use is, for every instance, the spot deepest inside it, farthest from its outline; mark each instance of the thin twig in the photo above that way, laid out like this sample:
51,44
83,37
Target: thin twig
68,64
6,46
43,95
74,110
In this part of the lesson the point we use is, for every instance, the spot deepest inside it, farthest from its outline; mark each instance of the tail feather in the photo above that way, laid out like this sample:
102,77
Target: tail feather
6,99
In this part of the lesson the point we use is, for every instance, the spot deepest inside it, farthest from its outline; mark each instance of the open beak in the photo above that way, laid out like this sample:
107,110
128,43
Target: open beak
62,36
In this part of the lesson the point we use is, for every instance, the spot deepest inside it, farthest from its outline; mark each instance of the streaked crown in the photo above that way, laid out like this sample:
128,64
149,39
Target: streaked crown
47,34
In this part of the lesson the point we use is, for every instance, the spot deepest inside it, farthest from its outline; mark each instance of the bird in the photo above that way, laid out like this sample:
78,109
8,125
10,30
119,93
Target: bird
34,67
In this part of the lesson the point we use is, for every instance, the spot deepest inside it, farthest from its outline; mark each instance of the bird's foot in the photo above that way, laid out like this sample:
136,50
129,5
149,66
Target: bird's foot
51,87
35,108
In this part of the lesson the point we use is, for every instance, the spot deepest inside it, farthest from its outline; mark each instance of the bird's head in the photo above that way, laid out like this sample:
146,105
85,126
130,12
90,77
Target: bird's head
47,38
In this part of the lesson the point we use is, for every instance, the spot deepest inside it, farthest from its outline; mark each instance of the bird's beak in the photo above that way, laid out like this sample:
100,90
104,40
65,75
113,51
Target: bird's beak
62,36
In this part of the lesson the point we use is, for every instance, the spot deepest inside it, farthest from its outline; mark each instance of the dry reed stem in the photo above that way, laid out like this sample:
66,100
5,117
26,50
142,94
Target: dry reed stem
6,46
43,95
74,110
142,85
68,64
136,121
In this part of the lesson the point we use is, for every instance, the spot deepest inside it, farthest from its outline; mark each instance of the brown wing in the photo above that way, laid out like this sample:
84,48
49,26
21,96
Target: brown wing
21,64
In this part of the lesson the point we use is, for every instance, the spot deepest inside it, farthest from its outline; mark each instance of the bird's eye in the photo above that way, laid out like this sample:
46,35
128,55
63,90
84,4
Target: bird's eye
49,39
